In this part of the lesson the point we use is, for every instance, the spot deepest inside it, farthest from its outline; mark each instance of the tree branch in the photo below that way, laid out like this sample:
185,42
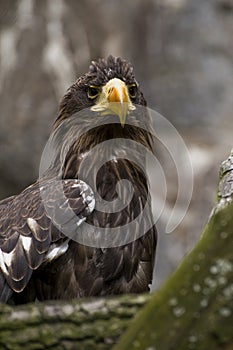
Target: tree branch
193,310
83,324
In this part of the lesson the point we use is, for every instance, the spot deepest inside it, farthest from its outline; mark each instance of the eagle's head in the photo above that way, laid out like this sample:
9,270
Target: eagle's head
104,104
108,88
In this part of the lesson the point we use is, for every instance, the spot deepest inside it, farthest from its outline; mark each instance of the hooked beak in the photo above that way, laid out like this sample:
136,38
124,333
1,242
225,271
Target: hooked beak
118,98
115,99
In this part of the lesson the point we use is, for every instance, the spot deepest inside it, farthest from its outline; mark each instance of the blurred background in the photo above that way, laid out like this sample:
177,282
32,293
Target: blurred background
182,51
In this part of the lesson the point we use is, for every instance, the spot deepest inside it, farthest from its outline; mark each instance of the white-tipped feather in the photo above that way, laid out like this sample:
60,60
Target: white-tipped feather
91,204
2,263
8,257
32,224
56,250
26,242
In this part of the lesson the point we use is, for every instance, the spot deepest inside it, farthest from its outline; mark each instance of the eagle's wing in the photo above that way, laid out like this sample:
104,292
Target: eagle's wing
28,236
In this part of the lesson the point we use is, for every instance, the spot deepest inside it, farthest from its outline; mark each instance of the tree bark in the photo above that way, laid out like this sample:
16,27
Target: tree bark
193,310
84,324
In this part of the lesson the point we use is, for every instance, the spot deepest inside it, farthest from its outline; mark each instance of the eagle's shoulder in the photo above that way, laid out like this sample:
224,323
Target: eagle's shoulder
29,233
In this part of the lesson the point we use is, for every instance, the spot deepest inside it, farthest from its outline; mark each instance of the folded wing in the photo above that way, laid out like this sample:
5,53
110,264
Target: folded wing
31,226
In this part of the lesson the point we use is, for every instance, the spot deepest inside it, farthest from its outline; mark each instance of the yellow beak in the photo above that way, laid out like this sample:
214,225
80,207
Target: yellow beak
115,99
118,98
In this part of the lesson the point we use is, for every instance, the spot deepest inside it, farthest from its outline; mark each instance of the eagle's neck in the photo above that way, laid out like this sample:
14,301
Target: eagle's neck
108,144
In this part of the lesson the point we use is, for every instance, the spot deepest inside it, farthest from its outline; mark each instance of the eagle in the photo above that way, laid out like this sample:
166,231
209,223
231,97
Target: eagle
39,260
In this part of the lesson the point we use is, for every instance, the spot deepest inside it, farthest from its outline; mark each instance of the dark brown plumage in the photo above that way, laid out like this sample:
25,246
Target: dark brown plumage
37,260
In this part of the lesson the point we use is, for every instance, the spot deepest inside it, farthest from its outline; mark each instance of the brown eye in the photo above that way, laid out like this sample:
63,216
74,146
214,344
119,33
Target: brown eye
93,91
132,89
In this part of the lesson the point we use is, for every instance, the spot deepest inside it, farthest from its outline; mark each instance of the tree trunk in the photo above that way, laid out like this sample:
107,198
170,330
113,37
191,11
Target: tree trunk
193,310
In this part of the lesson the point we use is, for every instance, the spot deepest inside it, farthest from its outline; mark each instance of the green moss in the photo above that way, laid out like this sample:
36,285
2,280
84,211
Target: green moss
191,310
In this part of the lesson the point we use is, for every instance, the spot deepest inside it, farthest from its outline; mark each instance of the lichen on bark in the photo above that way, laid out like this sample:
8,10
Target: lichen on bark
194,308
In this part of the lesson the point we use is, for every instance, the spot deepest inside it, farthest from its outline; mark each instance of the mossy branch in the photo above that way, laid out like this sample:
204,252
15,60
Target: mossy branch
83,324
194,308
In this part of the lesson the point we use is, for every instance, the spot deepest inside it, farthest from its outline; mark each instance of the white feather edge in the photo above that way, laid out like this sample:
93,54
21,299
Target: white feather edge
32,224
2,263
6,258
56,250
26,242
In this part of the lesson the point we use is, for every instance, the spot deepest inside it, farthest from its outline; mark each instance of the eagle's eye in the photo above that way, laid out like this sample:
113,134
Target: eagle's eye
93,91
132,89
